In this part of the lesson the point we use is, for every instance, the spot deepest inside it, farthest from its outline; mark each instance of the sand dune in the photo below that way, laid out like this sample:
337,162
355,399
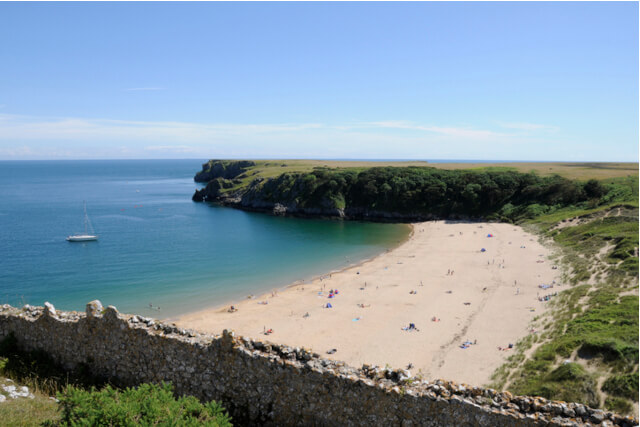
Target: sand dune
488,298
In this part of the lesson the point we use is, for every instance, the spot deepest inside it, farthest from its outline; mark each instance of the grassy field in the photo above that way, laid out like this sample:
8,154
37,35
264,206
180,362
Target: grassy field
27,412
579,171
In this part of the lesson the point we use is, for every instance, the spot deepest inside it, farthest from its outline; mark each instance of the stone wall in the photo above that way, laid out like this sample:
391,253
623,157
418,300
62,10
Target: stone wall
262,383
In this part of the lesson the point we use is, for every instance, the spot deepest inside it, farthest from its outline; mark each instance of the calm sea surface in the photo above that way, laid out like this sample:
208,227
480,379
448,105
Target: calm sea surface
156,246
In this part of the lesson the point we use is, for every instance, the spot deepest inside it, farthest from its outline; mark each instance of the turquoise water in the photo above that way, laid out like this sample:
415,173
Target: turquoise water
156,245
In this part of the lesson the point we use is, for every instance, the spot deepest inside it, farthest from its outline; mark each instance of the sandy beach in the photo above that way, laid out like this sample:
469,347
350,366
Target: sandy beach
440,280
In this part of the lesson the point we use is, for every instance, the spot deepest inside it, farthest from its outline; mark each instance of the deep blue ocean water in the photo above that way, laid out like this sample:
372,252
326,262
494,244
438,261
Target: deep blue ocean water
156,246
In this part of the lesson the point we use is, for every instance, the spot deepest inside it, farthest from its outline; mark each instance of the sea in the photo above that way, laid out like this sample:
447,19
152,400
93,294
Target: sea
158,253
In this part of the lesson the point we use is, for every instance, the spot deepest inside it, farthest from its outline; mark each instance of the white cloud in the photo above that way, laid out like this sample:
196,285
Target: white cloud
144,88
22,151
171,148
448,131
528,126
26,137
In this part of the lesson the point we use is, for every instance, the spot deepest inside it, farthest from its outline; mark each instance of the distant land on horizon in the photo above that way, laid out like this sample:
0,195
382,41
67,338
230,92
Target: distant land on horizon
571,170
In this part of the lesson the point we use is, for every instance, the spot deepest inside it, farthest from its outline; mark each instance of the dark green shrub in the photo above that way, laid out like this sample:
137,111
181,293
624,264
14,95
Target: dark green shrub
623,385
146,405
618,405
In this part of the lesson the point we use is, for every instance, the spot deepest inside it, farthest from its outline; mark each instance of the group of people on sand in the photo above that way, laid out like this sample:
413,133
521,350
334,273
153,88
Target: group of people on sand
468,344
410,328
547,297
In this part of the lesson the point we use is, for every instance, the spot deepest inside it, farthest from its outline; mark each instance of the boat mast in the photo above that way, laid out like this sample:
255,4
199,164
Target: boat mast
85,217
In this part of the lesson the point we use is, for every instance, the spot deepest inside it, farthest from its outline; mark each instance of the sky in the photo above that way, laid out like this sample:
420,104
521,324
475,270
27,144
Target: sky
537,81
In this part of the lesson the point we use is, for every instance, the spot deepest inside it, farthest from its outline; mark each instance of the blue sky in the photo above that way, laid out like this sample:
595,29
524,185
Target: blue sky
506,81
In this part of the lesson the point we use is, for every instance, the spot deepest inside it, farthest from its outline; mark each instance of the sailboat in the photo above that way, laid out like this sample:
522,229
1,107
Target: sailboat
87,226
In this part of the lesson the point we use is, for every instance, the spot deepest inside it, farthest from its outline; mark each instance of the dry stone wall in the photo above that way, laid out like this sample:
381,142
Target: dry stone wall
262,383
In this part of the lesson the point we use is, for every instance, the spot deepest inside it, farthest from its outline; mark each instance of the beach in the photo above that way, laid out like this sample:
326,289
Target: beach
469,289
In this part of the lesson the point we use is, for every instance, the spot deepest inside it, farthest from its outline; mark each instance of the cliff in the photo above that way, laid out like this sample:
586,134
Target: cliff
393,193
226,169
262,383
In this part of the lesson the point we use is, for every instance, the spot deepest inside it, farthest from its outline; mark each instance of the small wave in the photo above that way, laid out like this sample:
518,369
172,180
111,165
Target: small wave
127,217
177,216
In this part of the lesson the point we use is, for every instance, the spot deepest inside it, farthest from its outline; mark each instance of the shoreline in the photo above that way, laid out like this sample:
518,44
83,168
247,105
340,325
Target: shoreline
293,285
479,303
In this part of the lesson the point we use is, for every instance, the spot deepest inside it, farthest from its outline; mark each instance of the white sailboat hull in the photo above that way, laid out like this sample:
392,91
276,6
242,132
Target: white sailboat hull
82,238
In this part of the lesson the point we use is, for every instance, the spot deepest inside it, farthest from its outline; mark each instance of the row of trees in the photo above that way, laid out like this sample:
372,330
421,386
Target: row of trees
426,191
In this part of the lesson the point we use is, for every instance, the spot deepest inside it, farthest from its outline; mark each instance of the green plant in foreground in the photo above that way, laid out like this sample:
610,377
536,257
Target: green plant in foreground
146,405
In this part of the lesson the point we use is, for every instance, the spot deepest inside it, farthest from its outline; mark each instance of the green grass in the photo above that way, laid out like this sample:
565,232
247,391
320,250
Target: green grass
28,412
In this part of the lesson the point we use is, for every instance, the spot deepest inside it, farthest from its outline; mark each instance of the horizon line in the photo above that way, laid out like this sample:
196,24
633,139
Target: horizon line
325,159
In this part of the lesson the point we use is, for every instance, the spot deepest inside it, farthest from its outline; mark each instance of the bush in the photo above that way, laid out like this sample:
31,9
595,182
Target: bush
147,405
618,405
623,385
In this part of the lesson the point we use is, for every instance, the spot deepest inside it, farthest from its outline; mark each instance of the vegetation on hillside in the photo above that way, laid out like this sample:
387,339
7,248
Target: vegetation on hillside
586,349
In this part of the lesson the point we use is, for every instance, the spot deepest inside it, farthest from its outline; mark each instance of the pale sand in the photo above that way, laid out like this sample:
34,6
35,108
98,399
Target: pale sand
495,317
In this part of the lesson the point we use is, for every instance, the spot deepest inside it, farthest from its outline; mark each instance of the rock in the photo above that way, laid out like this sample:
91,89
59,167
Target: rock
580,410
49,310
597,416
93,308
567,412
403,374
2,398
111,313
